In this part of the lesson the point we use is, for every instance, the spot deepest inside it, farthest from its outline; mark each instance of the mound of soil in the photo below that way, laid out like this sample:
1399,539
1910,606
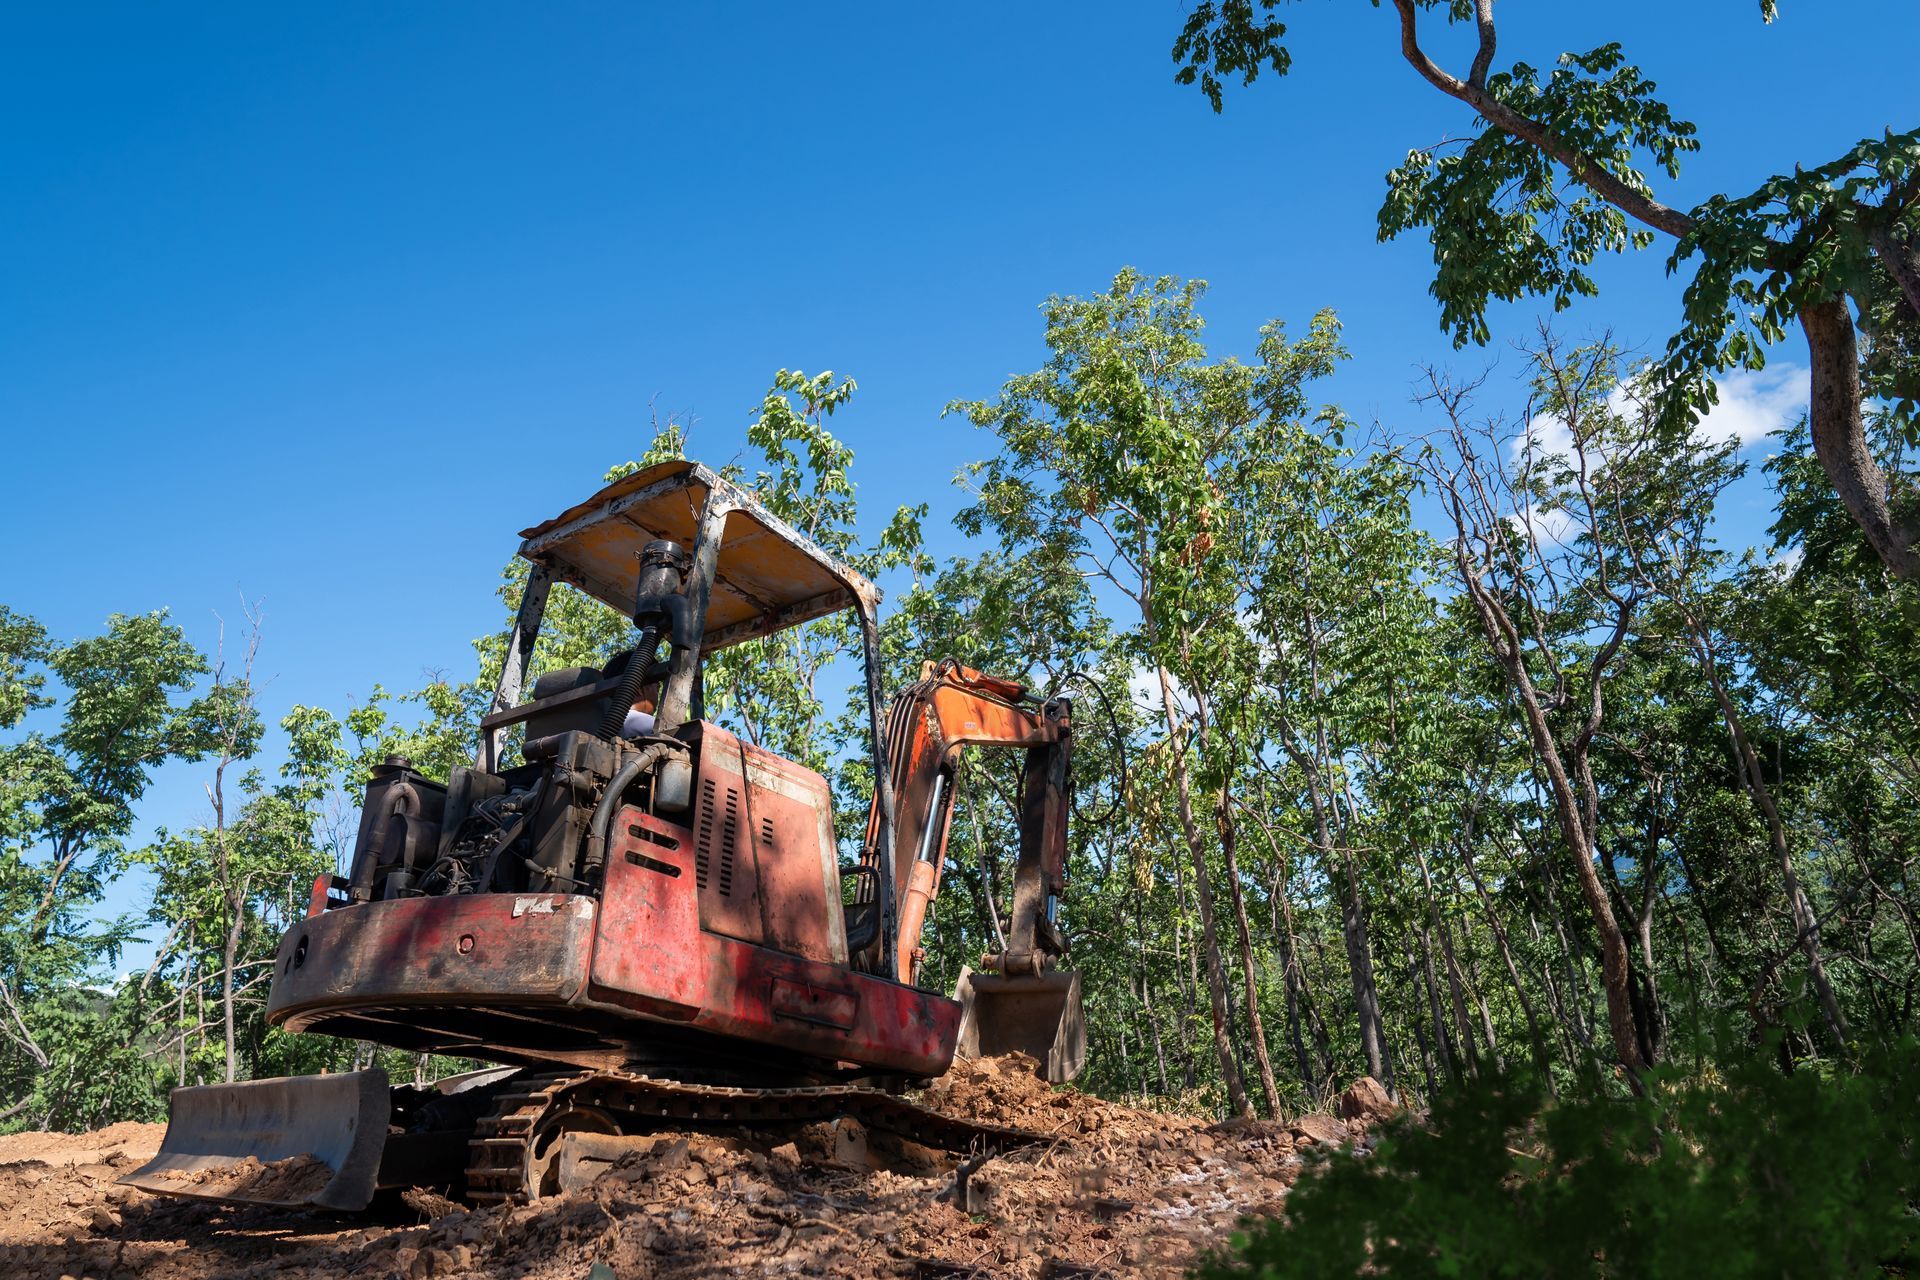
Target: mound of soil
295,1179
1113,1191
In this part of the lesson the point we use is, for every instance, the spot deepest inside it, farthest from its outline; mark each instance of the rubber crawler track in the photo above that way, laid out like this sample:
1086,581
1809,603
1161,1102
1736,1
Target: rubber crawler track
497,1155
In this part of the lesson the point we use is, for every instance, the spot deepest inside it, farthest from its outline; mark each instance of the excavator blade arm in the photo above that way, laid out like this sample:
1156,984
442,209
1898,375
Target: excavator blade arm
313,1141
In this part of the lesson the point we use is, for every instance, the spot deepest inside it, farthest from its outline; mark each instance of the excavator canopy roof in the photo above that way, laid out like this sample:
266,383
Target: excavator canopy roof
769,576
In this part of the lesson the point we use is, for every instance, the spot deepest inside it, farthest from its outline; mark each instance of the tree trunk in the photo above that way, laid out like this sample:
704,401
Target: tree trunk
1223,813
1153,1029
1203,899
1499,932
1436,928
1145,981
1293,968
180,1077
1647,1017
230,956
1353,923
1294,1037
1426,1053
1840,438
1477,991
1615,966
1806,925
1446,1048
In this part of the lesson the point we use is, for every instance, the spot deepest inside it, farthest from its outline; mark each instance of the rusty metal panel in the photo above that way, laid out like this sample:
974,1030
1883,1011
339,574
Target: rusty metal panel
819,1006
767,867
651,956
769,574
524,949
647,952
833,1013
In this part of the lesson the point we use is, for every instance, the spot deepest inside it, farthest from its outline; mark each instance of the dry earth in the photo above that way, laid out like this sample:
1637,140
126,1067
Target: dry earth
1115,1191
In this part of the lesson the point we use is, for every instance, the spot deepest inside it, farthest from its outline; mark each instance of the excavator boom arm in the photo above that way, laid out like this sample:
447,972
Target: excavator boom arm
930,725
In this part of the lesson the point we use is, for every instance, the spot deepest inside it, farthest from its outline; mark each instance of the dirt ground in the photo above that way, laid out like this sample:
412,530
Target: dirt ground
1114,1191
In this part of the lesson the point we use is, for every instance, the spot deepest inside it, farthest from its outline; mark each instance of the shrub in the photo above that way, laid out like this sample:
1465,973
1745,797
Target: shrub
1740,1171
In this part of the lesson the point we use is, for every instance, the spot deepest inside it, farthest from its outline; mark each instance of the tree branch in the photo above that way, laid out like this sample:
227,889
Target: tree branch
23,1038
1589,172
1900,258
1483,59
1840,438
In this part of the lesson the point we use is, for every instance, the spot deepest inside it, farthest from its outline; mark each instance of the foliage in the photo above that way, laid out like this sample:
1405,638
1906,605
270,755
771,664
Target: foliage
1500,221
1314,830
1557,172
117,712
1743,1170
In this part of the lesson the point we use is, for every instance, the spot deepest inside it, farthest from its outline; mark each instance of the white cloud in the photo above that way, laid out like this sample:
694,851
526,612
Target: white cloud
1547,436
1143,685
1547,526
1752,406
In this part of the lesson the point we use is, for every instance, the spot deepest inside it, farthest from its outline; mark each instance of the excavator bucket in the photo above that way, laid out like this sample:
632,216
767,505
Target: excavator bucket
288,1142
1038,1016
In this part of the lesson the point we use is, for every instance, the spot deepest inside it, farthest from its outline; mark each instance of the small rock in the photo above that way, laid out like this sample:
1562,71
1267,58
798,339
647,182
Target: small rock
1320,1128
715,1150
428,1204
431,1262
1367,1099
104,1219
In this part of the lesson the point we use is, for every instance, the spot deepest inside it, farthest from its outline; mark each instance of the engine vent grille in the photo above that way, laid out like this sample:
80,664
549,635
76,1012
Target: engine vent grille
729,835
704,854
718,836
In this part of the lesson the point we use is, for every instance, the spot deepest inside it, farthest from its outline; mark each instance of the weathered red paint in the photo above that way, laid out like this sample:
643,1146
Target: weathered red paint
638,955
892,1026
651,956
646,948
763,830
525,949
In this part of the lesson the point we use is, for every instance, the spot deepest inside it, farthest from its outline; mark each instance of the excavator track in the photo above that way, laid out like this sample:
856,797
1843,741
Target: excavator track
503,1149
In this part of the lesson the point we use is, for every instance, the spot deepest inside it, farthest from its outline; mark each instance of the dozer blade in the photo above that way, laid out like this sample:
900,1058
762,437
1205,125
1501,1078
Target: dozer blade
1038,1016
314,1140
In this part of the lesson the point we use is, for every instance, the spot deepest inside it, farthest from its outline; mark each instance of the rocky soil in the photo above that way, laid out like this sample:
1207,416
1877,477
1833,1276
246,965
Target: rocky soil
1112,1191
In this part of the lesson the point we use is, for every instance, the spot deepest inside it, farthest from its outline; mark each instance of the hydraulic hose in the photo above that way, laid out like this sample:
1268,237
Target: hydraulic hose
629,772
630,681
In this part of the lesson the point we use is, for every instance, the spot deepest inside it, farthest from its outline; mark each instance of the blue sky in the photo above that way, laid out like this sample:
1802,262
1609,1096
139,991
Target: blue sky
323,303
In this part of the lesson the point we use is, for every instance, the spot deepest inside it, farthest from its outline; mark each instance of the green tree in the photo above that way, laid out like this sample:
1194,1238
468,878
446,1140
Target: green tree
67,806
1117,460
1557,170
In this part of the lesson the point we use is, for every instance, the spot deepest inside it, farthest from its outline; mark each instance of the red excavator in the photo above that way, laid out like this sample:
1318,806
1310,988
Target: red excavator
643,918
